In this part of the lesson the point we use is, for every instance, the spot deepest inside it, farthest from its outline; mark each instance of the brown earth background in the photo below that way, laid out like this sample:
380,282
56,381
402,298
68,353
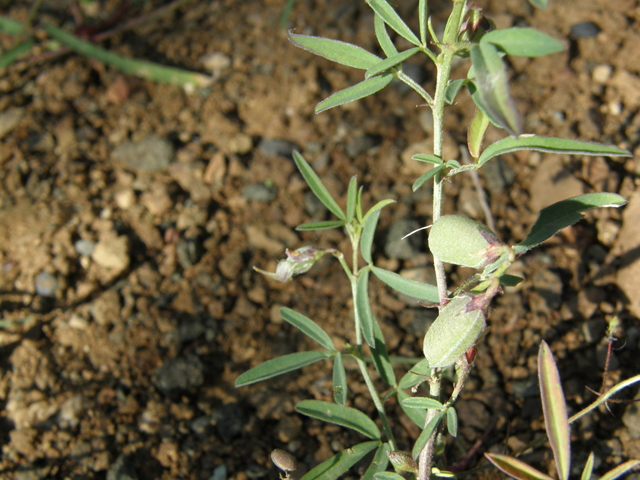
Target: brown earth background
131,214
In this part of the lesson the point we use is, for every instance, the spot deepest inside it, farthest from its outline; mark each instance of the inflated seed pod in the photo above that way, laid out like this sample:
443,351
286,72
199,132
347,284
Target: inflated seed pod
462,241
456,329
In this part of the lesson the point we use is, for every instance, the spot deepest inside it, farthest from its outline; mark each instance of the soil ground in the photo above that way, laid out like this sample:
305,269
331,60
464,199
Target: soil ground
132,213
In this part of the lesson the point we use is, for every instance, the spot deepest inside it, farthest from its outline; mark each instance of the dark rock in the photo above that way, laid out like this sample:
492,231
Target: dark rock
260,192
498,175
408,248
584,30
359,144
230,420
122,469
274,148
179,374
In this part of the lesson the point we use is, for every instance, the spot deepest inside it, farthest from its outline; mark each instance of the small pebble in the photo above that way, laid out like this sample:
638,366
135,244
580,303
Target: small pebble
274,148
601,73
584,30
46,284
84,248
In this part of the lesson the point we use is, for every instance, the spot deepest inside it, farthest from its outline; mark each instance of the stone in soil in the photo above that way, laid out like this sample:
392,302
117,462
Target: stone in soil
179,374
153,154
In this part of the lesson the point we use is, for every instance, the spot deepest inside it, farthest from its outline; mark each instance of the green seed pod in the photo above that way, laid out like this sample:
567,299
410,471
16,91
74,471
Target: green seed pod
456,329
462,241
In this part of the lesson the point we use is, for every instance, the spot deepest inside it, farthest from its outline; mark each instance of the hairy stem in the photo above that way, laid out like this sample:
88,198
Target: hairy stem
443,65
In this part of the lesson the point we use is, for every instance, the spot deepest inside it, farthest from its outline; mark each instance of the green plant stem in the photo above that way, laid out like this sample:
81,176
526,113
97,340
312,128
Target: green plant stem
377,402
353,278
443,64
426,456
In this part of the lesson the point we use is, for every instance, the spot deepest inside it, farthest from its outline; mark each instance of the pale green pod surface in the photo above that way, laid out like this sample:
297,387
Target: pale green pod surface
453,333
462,241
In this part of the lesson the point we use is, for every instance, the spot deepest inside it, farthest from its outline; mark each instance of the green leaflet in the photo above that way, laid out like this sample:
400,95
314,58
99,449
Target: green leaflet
523,42
492,95
360,90
278,366
338,464
549,145
555,217
338,415
317,187
335,50
554,408
307,326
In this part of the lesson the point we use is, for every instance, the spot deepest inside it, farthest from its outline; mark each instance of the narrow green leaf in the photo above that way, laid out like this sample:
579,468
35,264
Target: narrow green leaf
379,463
384,40
543,4
555,217
338,415
492,94
388,476
317,187
379,206
422,402
360,90
11,55
307,326
475,133
359,206
452,422
417,374
391,62
515,468
453,164
352,193
422,20
335,50
549,145
327,225
426,434
363,308
278,366
523,42
338,464
421,157
380,357
417,416
554,409
510,280
409,287
391,18
368,232
425,177
340,388
620,470
453,88
10,26
588,468
139,68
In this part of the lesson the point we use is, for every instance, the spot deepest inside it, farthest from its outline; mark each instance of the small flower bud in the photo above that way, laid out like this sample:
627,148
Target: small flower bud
403,461
297,262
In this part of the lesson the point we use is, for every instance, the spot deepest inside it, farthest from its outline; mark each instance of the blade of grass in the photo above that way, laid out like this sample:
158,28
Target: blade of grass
139,68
